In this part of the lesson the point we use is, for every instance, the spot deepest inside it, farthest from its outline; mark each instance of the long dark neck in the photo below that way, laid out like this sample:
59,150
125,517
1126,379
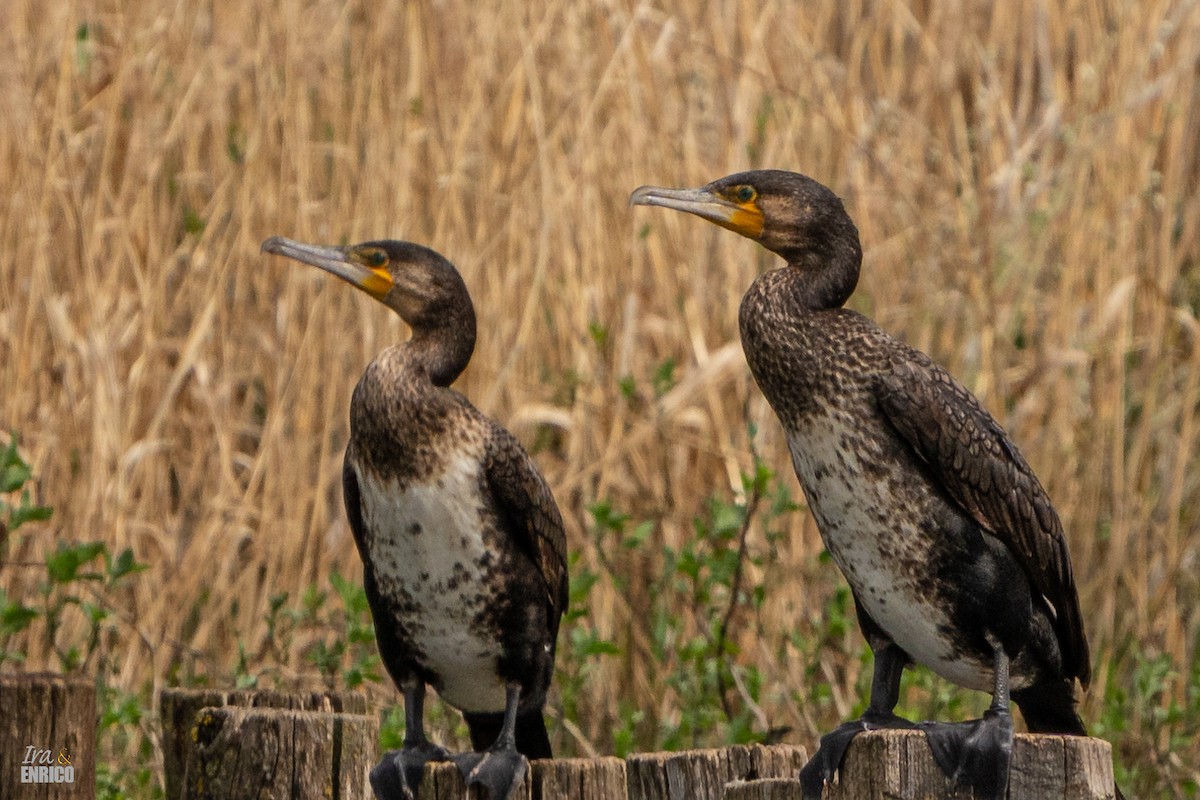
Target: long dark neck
824,275
792,326
443,350
399,392
400,406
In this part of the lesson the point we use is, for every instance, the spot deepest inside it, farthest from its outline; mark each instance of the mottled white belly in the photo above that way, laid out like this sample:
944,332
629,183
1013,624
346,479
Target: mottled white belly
872,547
430,557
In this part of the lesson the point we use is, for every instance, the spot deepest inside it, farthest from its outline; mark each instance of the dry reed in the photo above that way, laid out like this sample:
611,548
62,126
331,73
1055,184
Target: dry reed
1024,176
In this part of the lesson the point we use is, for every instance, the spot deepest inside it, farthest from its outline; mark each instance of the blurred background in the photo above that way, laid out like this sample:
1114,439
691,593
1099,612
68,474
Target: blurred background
1026,180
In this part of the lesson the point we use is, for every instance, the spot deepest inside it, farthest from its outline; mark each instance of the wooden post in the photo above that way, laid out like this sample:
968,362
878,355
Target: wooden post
47,723
898,765
549,779
702,774
442,781
763,789
252,744
305,746
579,779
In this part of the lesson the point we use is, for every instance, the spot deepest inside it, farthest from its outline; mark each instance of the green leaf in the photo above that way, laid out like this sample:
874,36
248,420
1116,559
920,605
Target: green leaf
312,601
278,601
663,379
352,594
607,518
638,537
599,647
70,659
391,730
14,475
599,333
94,613
27,512
124,564
192,222
361,634
63,565
14,615
726,519
13,656
121,710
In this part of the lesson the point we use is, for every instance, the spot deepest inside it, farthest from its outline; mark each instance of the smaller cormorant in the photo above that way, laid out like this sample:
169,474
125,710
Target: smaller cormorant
464,557
953,552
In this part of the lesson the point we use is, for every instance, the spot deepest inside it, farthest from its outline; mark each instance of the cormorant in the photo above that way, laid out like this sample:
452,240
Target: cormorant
464,557
953,552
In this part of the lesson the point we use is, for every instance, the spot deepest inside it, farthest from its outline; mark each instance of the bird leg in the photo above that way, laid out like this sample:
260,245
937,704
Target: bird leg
499,768
398,775
885,693
977,753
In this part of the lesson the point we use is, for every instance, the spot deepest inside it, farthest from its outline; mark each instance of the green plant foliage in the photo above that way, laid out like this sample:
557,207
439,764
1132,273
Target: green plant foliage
332,632
14,474
580,643
1154,709
697,593
81,582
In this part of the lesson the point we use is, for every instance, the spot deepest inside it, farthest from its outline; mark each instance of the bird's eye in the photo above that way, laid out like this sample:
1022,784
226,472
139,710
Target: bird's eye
375,258
744,194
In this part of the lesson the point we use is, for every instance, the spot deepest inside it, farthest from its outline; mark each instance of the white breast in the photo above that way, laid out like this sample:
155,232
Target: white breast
871,546
427,545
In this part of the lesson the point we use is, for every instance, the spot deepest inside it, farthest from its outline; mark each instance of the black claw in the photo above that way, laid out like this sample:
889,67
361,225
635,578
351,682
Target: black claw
388,781
398,775
826,762
499,770
974,754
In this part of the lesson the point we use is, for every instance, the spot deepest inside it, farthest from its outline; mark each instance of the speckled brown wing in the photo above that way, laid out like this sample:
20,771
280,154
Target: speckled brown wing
530,514
983,472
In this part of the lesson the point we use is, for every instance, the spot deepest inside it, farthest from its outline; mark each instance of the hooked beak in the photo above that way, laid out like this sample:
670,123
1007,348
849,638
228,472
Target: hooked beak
746,219
336,260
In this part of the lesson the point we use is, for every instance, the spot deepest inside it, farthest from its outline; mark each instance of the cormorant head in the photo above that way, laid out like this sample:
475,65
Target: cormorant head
417,283
787,213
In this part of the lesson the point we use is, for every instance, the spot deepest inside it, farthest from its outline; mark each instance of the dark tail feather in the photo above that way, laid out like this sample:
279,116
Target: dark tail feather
532,739
1049,707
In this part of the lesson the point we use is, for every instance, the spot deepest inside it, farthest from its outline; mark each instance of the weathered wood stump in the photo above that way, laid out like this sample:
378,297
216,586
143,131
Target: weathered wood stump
898,765
442,781
252,744
582,778
763,789
550,779
47,725
703,774
234,745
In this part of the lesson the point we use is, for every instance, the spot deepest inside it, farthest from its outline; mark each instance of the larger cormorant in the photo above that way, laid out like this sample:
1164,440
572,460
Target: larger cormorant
464,557
953,552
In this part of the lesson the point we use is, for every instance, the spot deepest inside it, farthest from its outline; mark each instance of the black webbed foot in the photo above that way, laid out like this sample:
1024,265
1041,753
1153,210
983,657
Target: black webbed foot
398,775
975,754
498,769
825,763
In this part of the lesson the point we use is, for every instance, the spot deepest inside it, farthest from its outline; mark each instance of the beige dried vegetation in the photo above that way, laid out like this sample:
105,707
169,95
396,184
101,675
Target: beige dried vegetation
1024,176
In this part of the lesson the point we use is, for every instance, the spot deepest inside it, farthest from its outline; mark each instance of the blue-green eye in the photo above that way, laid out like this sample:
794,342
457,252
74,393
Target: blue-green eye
375,258
744,194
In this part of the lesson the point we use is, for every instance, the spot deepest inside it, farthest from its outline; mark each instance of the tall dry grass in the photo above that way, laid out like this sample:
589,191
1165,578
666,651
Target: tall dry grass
1024,175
